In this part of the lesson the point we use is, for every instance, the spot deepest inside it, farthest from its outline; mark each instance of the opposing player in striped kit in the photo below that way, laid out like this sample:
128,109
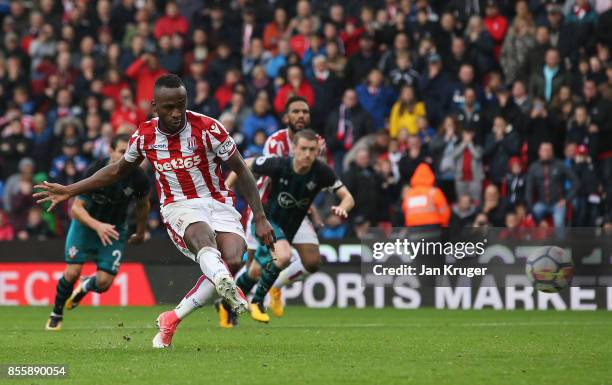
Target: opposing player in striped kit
186,150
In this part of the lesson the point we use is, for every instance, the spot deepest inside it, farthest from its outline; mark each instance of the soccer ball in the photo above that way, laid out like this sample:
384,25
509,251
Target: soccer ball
550,269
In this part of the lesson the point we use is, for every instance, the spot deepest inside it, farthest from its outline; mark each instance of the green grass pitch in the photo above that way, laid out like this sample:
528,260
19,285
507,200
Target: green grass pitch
110,345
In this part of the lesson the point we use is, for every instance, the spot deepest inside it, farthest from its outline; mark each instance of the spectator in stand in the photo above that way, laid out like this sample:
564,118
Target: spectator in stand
113,86
388,190
517,48
70,153
457,56
501,144
480,45
276,30
172,22
327,88
258,83
170,58
605,88
301,41
535,59
315,49
405,112
548,79
345,126
336,62
42,140
14,145
36,228
600,113
224,92
588,200
376,98
63,108
257,56
126,113
466,78
279,60
256,146
238,107
196,72
362,62
295,84
203,103
538,129
388,60
584,17
434,85
260,119
360,179
15,182
43,46
578,128
493,206
93,131
496,24
469,114
514,182
546,178
19,199
411,159
469,172
144,71
7,233
441,148
402,73
520,97
463,214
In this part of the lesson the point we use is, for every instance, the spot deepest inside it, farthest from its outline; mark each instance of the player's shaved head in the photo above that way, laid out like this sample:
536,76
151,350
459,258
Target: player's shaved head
168,81
170,102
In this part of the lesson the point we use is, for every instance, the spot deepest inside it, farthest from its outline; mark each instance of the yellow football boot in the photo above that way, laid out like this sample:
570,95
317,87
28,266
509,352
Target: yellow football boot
276,302
258,313
225,321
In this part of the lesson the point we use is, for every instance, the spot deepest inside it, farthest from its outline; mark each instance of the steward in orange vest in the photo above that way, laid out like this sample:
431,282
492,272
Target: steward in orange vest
423,204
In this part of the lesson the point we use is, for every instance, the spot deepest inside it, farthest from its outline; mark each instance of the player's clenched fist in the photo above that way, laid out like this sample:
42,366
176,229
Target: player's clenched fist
52,192
265,232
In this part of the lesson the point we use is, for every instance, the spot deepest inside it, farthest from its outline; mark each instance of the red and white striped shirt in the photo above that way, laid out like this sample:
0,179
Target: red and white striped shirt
188,163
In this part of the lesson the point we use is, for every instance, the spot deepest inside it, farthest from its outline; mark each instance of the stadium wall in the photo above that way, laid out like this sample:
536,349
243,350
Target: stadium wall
156,273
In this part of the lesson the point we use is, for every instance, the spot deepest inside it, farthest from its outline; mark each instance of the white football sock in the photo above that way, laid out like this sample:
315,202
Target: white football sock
211,263
292,273
196,297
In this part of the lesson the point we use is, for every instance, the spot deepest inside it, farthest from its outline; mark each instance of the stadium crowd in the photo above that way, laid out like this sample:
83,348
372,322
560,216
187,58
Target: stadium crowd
509,102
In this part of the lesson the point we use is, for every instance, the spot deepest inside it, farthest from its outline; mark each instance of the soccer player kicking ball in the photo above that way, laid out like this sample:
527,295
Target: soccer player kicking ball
186,150
98,231
294,183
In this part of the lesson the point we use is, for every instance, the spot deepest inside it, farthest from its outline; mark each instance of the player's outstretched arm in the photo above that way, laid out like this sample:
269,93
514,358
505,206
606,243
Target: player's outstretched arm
57,193
248,187
346,202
